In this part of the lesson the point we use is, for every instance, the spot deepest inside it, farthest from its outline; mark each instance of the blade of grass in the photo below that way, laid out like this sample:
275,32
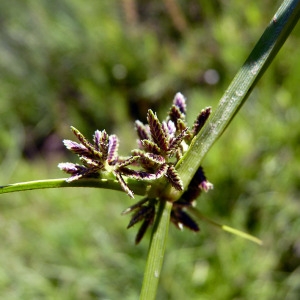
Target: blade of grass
240,88
138,187
156,251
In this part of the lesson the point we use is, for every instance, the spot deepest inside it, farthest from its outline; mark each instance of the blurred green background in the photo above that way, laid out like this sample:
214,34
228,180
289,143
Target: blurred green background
102,64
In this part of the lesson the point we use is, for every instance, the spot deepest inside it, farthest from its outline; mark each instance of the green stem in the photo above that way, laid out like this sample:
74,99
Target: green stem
138,187
234,231
258,61
156,251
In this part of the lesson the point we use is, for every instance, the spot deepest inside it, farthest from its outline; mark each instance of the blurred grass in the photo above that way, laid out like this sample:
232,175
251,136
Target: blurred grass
95,66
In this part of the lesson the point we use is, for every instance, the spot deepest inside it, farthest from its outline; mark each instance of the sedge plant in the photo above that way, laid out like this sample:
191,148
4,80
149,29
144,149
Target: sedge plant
165,165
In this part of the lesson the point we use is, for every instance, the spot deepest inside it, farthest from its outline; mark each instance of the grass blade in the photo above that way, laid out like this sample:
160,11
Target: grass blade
138,187
237,93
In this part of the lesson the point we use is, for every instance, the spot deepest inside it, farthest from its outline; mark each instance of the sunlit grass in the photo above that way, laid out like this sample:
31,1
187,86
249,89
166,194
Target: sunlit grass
73,243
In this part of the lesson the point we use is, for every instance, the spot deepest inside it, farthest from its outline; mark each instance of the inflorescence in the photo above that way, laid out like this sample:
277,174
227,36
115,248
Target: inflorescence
160,146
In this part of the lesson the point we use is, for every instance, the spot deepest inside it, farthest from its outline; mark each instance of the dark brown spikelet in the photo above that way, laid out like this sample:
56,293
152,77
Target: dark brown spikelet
155,158
179,101
175,115
193,191
174,178
143,230
201,181
135,206
143,212
157,133
113,147
201,119
143,175
76,148
142,130
162,170
150,146
86,143
181,218
198,184
128,161
181,125
78,171
175,142
97,139
139,175
101,142
104,144
123,185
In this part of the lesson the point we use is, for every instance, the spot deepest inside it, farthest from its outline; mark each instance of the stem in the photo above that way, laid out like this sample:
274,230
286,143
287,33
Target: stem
138,187
234,231
156,251
234,97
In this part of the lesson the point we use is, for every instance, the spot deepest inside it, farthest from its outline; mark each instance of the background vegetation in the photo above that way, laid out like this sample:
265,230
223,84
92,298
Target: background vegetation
102,64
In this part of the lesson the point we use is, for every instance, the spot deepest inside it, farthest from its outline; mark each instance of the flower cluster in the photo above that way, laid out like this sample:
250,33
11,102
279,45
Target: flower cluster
98,157
160,146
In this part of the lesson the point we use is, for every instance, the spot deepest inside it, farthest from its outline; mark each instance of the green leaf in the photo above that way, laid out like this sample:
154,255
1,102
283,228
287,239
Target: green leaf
240,88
